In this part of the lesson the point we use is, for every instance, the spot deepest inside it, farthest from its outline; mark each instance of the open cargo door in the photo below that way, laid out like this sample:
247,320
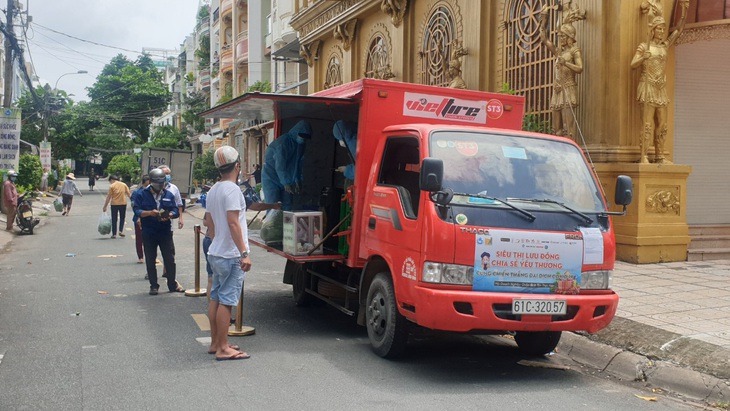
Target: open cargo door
322,186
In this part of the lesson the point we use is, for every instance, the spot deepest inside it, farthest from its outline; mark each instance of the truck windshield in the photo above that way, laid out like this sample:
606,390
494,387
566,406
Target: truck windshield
523,171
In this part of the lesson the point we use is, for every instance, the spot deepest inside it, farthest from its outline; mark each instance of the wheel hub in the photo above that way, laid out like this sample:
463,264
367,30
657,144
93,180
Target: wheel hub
377,314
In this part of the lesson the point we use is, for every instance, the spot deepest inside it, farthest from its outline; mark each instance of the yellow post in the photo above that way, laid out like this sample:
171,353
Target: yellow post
238,329
197,292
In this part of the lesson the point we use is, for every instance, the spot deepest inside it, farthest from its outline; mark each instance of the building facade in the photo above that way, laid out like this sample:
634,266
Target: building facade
502,45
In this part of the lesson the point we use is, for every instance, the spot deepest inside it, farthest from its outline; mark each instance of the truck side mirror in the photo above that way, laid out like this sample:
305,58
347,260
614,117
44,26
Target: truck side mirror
432,174
624,191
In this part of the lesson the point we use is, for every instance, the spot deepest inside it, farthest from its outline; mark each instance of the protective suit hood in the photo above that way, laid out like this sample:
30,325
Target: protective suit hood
302,127
346,131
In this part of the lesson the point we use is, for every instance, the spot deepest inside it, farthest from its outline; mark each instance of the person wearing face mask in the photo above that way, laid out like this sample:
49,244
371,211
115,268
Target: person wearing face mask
169,186
156,207
281,176
10,198
346,134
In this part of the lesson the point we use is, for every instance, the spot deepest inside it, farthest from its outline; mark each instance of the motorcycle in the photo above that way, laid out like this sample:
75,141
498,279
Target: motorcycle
203,195
24,216
249,193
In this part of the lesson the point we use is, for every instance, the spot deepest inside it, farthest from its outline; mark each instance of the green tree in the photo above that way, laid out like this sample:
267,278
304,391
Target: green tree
203,53
125,167
196,103
204,168
262,86
129,94
167,137
30,171
43,113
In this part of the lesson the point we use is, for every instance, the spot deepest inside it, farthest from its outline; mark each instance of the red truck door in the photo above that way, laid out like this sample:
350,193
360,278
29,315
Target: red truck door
392,207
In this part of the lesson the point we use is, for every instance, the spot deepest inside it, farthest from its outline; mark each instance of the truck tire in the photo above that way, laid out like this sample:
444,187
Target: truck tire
535,343
387,328
300,278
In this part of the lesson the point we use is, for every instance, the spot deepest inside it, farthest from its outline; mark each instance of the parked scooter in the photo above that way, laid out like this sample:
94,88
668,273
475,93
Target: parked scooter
249,193
203,195
24,217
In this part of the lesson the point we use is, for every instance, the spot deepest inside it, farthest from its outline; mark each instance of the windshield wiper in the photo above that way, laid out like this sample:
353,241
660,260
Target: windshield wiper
527,214
585,218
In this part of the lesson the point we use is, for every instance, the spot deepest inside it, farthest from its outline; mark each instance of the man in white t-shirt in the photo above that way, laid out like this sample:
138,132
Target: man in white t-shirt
228,253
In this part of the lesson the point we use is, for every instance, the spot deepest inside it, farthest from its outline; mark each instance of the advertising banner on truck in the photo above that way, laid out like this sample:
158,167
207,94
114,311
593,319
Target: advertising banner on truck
528,262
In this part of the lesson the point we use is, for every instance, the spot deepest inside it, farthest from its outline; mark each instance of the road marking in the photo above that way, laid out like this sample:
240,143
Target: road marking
109,256
202,321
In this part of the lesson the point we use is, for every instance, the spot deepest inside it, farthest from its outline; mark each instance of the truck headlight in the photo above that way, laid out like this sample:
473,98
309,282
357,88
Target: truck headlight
596,280
447,273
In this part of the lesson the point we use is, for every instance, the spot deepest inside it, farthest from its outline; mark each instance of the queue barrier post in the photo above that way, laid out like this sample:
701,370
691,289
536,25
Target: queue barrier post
238,329
197,292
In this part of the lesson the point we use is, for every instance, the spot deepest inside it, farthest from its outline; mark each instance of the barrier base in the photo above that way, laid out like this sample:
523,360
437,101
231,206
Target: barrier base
245,330
200,293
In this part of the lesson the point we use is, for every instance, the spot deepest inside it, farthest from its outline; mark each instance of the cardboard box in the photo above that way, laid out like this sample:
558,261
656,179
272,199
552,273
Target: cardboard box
302,231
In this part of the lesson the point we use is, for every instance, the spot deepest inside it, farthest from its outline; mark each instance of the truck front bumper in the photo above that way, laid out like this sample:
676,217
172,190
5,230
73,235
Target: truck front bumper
465,311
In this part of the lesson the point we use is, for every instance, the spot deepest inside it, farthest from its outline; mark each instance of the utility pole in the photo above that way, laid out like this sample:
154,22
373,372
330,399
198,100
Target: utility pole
8,84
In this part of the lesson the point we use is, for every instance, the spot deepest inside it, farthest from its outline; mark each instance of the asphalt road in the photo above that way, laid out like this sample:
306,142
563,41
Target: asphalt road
81,333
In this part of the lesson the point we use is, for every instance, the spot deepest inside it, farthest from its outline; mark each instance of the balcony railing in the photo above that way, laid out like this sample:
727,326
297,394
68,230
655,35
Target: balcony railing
242,47
226,59
203,25
204,78
226,7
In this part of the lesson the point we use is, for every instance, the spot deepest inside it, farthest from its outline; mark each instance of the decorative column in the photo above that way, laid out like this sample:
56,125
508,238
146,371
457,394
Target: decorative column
655,227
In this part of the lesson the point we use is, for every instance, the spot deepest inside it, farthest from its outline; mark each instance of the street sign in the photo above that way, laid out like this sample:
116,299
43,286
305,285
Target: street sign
9,138
46,156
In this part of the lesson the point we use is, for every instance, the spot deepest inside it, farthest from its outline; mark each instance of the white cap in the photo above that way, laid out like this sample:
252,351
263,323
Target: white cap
224,156
12,172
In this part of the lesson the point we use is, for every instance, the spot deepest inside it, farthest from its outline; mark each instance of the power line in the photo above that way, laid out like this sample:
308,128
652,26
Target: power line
93,42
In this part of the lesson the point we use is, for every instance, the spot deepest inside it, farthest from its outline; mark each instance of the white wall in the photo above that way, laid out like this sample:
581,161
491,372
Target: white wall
702,129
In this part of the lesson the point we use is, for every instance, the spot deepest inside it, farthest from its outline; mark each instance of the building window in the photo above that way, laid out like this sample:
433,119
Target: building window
439,34
527,63
377,60
334,72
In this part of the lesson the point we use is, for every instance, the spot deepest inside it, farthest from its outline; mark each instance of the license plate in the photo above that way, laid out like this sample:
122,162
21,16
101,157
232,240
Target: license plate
27,214
539,306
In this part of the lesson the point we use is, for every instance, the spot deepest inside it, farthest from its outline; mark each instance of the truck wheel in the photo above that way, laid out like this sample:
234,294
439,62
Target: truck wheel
387,328
536,343
300,279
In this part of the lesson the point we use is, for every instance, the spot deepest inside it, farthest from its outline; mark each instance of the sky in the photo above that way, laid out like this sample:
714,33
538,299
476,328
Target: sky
125,24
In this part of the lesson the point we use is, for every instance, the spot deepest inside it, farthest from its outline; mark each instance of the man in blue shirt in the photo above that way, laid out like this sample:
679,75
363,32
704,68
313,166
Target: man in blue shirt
155,207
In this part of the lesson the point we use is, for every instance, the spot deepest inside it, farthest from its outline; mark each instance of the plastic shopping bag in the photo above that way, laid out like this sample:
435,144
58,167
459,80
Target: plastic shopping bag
105,224
272,230
58,204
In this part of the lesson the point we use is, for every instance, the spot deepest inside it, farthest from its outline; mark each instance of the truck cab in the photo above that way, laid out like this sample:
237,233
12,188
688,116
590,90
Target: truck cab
456,219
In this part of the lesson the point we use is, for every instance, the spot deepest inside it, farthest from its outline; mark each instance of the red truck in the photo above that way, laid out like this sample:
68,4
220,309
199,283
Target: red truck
456,219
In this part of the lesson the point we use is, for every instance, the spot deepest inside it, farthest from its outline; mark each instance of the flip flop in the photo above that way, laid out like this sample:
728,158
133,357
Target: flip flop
232,346
237,356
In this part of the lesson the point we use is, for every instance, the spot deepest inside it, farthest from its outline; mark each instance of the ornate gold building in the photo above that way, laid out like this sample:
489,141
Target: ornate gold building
613,72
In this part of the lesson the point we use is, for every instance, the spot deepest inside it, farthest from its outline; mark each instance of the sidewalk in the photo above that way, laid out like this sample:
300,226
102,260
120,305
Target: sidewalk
669,315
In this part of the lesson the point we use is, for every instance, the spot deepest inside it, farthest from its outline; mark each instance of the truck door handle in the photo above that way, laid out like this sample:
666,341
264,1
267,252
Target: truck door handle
371,223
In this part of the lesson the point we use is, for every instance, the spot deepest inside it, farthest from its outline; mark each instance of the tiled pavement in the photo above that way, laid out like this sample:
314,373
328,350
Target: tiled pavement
687,298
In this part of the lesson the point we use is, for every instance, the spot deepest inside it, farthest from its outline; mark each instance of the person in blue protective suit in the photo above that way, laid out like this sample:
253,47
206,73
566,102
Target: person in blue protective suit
346,133
281,176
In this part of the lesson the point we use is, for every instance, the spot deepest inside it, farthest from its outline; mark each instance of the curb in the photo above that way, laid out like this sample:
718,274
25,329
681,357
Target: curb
628,366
